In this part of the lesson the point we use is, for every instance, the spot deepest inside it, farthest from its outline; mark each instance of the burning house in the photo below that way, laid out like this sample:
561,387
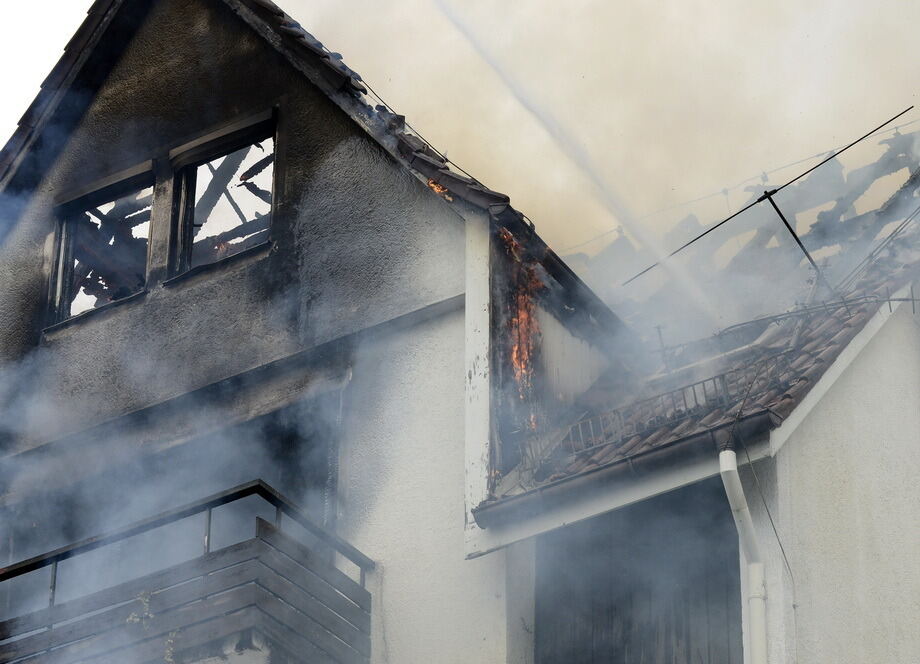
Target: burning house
279,384
246,312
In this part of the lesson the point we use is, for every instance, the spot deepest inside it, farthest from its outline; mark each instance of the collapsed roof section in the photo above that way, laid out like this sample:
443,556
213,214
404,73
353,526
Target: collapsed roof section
747,379
109,26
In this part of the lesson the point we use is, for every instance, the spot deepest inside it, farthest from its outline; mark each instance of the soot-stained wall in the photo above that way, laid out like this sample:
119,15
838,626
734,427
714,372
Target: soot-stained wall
358,239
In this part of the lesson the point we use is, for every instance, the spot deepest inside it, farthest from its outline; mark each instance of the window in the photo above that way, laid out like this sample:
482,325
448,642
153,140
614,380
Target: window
102,247
224,197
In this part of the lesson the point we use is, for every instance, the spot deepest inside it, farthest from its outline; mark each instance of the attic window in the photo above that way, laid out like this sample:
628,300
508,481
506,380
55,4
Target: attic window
102,247
225,198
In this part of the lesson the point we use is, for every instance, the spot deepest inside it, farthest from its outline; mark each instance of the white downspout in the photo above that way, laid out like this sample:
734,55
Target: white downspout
756,589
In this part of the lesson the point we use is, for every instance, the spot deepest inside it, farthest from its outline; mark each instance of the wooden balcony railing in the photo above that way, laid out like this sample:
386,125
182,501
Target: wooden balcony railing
292,594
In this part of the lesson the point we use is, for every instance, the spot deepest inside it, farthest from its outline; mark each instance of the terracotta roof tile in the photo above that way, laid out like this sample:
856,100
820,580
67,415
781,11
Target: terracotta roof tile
778,381
812,346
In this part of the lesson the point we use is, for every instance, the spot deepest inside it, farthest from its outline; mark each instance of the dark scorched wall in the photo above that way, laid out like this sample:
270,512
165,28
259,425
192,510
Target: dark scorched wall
358,240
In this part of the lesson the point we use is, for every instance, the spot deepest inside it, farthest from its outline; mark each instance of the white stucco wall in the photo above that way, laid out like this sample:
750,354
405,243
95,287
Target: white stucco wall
844,493
402,501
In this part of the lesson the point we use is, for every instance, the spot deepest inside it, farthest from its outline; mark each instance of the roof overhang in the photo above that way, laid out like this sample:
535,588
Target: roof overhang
658,471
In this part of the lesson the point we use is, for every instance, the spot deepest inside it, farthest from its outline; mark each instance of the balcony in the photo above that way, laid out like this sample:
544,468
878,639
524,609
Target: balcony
282,595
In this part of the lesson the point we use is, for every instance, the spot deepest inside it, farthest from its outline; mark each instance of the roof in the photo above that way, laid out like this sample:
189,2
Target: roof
107,29
736,385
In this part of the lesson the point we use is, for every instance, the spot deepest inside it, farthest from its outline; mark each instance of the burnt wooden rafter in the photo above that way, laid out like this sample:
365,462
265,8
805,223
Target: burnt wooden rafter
220,181
257,167
230,200
108,252
247,228
831,228
258,192
127,209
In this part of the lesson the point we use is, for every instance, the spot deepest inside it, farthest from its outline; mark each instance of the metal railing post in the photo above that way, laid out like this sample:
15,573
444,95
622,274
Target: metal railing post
207,531
52,586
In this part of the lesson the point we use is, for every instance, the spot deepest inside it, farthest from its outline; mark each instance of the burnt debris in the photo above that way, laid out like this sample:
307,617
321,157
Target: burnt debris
228,203
102,252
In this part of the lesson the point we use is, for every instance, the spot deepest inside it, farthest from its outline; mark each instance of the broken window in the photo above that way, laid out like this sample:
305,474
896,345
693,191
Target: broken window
102,252
226,200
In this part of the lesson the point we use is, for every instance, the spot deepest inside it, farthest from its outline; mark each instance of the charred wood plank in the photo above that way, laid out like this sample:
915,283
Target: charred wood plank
129,634
308,629
858,182
112,226
892,209
257,168
80,273
183,572
204,253
229,197
325,617
122,263
137,218
244,229
142,610
127,207
253,240
186,639
258,192
297,647
220,181
311,561
316,587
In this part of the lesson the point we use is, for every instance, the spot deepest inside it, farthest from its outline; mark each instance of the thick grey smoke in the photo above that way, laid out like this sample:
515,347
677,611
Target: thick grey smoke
127,472
674,100
566,209
579,156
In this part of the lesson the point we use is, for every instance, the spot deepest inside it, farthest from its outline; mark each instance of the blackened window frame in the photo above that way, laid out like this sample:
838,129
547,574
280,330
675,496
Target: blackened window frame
185,161
97,193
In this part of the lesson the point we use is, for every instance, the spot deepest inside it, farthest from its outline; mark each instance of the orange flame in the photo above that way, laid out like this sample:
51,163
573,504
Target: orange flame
439,189
524,327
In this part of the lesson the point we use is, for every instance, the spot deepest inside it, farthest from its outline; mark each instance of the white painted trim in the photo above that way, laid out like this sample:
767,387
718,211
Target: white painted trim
477,370
781,434
626,492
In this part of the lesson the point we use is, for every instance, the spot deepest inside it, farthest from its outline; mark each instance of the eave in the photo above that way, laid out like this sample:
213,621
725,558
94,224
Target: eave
685,461
700,446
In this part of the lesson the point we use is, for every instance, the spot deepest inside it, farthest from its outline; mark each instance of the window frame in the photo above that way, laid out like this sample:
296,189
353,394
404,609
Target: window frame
184,162
101,191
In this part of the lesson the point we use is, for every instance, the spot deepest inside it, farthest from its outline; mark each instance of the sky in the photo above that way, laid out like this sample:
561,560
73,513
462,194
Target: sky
569,106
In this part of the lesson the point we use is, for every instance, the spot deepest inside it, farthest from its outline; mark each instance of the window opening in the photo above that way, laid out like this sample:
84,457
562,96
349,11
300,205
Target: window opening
227,203
103,252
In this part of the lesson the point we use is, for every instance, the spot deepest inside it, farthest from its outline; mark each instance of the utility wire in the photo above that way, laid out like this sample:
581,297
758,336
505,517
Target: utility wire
419,134
809,158
843,149
766,195
698,237
725,190
865,262
795,236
